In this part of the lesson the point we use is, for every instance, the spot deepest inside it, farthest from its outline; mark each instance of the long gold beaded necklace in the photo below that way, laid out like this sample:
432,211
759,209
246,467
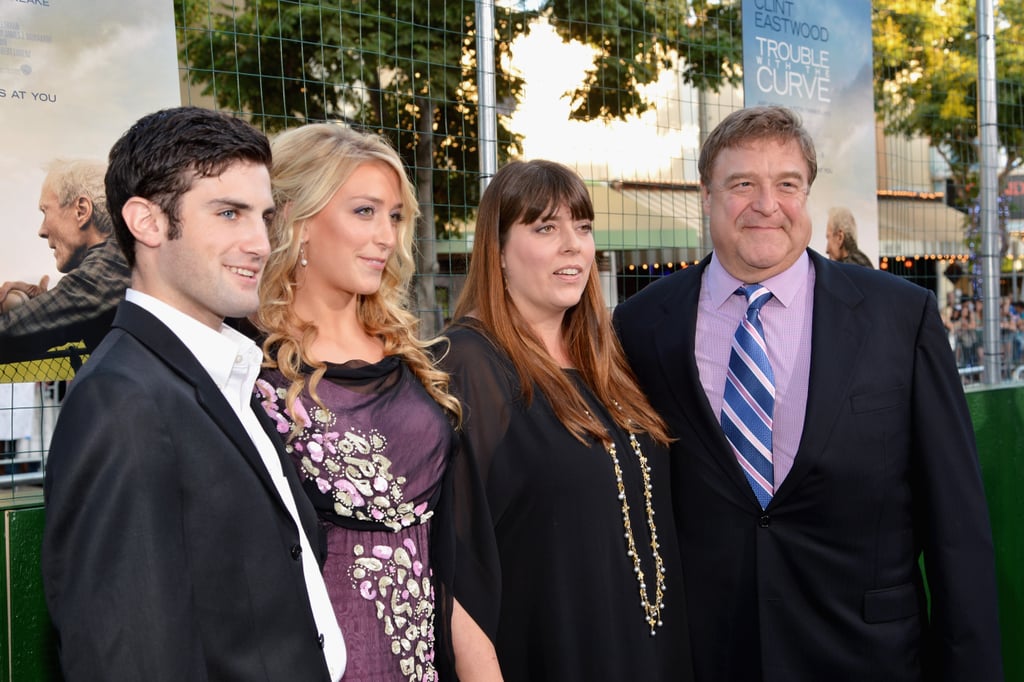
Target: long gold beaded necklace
652,610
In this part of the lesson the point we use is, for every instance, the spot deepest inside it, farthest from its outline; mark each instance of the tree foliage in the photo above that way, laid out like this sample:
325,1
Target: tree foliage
407,70
926,80
404,69
638,39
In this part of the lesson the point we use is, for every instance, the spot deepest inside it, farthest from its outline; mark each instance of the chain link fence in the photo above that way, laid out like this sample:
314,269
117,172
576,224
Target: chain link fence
622,90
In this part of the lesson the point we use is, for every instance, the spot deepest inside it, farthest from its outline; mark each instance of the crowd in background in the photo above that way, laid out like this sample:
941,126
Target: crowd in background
964,320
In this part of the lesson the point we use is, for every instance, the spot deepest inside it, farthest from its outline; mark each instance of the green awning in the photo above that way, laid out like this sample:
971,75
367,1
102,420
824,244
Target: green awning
915,227
631,218
628,218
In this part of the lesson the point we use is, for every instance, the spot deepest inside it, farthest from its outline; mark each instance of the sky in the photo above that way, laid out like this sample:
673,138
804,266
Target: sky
656,145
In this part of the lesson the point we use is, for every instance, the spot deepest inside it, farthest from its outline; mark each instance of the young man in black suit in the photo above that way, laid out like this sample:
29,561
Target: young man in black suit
178,542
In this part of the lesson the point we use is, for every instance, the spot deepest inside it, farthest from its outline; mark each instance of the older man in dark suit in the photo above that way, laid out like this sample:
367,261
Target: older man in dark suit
178,541
824,443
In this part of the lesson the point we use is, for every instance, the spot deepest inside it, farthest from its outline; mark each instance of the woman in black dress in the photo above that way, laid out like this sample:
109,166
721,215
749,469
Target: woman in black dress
567,566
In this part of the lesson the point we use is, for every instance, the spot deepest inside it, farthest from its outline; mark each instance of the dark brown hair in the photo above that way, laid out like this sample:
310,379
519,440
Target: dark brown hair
163,153
522,192
753,124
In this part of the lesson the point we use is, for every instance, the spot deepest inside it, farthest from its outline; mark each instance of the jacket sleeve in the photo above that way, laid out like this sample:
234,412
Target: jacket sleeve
80,307
115,565
951,506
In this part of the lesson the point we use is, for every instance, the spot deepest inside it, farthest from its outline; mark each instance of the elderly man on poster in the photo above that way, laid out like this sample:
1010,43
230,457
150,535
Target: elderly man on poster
81,306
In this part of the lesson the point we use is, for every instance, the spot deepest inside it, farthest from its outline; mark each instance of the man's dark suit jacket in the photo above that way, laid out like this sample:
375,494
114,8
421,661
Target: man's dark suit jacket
825,583
168,554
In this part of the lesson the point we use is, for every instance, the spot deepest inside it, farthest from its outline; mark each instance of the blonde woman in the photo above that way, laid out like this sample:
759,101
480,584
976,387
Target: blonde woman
568,567
366,416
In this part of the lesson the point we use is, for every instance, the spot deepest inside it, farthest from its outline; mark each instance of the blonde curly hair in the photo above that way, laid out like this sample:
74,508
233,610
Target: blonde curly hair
310,163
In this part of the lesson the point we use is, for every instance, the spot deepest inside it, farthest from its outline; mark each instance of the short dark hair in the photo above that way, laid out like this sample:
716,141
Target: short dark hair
162,154
753,124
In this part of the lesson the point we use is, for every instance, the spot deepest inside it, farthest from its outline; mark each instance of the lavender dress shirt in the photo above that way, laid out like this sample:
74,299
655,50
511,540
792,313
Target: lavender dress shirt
787,327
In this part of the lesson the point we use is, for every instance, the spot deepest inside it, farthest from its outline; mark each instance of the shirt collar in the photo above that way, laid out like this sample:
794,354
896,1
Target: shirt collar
784,286
217,351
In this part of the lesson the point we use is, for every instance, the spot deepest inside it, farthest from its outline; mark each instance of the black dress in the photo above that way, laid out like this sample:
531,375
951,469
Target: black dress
541,561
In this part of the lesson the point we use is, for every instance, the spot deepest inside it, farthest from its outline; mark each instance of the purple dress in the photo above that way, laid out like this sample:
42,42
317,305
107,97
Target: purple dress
372,461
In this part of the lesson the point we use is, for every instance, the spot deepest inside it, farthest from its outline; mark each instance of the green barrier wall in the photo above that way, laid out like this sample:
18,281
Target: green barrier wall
998,415
27,652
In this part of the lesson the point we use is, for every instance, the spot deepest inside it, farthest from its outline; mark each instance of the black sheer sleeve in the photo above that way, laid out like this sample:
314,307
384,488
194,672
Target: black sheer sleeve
442,540
482,379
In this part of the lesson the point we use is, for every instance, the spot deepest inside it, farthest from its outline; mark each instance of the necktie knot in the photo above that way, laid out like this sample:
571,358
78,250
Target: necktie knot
757,295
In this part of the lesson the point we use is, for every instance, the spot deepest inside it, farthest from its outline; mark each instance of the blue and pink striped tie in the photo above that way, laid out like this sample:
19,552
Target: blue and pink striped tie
749,400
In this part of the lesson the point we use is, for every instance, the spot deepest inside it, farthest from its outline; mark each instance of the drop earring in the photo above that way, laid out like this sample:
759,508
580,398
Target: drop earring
302,256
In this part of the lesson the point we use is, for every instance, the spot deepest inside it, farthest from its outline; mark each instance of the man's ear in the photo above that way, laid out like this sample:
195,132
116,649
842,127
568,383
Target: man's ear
145,221
83,211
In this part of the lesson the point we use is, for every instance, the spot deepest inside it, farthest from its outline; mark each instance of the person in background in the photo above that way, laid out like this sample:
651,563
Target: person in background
950,313
961,321
178,542
824,442
841,238
972,325
1018,338
77,226
1007,331
567,565
367,417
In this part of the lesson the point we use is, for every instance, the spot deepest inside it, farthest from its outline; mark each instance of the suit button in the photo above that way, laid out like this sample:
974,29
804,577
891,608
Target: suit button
321,640
764,521
296,551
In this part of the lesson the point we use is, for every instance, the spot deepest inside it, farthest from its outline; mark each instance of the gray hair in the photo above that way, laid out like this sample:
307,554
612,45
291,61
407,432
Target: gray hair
73,178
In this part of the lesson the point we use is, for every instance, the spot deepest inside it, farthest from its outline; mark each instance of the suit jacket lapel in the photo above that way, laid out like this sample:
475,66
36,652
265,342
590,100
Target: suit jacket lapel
838,333
675,343
156,336
677,358
307,515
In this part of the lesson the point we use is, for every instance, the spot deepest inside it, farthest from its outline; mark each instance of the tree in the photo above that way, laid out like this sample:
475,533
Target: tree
926,68
404,72
407,70
926,83
638,39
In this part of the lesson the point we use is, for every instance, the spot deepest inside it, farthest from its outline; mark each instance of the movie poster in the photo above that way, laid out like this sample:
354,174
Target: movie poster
815,57
74,74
